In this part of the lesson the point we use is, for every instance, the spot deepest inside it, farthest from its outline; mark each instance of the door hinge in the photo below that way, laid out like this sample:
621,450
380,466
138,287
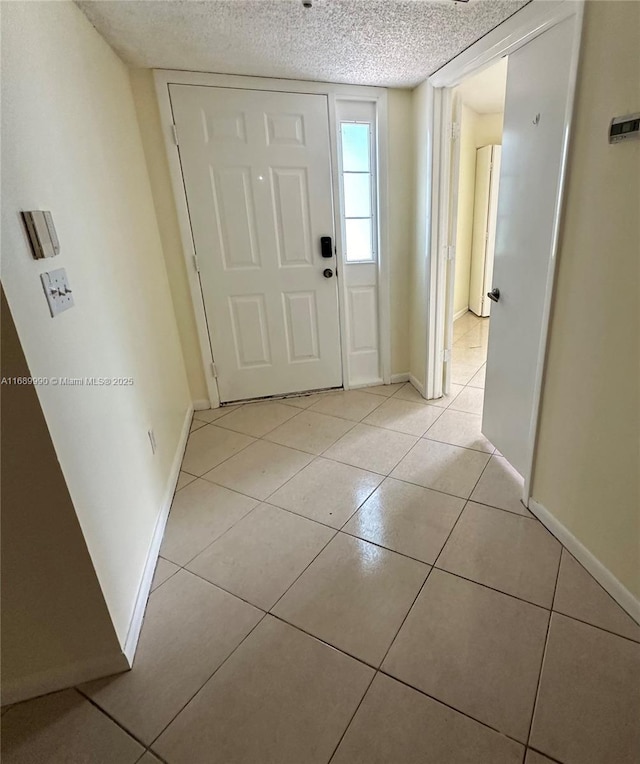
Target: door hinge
214,370
446,355
174,132
449,251
455,131
196,264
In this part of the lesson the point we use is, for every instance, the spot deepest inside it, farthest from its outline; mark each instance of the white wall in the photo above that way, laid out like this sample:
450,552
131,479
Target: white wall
587,462
71,144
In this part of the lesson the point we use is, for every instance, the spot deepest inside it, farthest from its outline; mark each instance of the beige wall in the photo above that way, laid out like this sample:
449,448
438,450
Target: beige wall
466,198
400,232
420,248
588,455
156,155
489,129
71,144
400,111
56,628
476,130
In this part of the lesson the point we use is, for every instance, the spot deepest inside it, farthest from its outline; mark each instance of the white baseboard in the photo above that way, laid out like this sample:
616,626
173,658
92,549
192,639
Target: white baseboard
460,313
61,677
418,385
135,625
359,385
395,378
602,575
201,405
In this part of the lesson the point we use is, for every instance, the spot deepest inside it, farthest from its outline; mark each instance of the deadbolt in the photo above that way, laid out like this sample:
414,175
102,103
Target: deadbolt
327,273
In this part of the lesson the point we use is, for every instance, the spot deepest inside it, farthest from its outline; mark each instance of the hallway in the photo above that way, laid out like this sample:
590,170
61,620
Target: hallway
387,528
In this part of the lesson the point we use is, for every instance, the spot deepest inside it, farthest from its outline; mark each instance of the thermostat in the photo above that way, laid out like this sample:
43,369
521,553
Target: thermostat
42,233
624,128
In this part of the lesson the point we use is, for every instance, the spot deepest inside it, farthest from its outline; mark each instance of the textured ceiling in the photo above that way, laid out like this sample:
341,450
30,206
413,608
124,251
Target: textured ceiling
369,42
485,92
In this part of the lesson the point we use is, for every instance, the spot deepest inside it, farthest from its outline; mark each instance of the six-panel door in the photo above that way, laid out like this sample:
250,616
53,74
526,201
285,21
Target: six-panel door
257,175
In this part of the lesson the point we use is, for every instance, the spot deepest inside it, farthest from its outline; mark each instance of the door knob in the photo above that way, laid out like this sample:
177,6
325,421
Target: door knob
327,273
494,294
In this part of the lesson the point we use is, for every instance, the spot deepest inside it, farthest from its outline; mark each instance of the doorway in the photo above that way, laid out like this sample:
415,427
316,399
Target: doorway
321,320
479,106
542,45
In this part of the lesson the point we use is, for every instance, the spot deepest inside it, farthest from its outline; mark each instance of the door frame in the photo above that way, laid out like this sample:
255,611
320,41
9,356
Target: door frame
333,92
527,24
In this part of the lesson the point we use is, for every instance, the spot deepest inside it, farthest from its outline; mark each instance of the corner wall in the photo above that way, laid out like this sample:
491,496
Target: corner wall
71,144
56,628
587,467
155,153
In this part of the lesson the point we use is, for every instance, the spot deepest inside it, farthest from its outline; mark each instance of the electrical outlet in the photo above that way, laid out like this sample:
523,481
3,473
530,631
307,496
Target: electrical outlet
152,440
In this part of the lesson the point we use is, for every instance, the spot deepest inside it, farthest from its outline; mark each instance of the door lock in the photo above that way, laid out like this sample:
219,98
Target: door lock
326,248
494,294
327,273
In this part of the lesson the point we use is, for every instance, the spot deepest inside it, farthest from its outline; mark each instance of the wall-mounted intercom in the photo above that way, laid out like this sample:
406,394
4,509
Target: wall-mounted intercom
42,233
624,128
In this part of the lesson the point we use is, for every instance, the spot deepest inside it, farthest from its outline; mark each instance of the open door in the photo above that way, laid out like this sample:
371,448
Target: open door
540,83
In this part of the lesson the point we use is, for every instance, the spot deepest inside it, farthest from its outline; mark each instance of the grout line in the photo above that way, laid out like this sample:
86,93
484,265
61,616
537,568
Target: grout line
324,641
452,708
275,427
222,588
208,679
544,653
226,459
302,572
595,626
353,716
492,588
109,716
314,453
546,755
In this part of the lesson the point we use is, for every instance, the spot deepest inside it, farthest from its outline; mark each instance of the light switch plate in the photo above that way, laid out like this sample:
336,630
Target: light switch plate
57,291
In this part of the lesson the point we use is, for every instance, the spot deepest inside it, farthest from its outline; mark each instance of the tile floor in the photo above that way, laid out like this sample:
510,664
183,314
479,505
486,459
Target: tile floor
352,578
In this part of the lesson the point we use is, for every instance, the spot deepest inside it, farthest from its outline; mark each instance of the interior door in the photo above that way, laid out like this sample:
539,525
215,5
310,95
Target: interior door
539,86
257,174
485,210
480,229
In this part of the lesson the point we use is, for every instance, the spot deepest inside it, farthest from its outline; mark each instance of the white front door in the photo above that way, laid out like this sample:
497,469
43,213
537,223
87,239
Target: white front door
538,91
257,174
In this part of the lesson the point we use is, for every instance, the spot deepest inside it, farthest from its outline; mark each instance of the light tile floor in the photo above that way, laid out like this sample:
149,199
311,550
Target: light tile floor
352,578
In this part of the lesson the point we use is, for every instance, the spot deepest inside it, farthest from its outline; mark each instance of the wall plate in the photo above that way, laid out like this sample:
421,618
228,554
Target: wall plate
57,291
42,233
